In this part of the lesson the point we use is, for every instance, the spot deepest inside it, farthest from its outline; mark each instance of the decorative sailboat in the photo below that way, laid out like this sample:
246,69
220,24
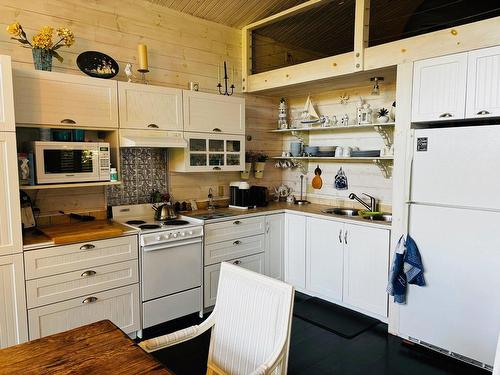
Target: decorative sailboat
309,115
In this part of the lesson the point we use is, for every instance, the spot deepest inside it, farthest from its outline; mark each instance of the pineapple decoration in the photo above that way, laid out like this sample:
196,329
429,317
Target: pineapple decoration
282,122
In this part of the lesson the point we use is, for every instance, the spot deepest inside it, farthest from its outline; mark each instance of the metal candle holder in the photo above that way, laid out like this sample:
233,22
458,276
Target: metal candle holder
226,79
143,75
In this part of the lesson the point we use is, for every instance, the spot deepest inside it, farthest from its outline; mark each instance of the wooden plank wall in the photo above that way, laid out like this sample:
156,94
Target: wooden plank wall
181,48
362,177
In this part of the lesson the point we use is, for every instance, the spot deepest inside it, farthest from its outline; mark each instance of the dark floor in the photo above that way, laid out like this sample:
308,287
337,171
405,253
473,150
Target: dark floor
314,350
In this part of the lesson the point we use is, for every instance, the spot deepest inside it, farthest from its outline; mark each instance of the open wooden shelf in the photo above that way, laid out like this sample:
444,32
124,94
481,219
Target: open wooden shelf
71,185
353,159
331,128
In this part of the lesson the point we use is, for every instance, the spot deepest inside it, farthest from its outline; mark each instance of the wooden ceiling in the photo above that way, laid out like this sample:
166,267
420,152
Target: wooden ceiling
234,13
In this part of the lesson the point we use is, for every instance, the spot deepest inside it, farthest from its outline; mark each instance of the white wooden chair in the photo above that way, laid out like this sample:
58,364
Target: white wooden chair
496,365
250,324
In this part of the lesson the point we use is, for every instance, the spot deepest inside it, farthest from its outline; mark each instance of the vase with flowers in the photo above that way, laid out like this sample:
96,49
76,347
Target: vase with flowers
42,44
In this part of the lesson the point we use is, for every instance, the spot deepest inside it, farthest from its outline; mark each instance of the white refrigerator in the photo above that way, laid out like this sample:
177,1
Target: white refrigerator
454,217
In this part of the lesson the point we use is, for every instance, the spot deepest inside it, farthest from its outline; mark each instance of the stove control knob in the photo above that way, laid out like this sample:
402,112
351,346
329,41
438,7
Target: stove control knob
190,232
166,237
183,234
175,235
158,238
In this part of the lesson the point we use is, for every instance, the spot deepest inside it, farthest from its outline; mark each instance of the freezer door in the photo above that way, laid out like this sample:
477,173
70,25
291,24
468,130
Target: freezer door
459,309
457,166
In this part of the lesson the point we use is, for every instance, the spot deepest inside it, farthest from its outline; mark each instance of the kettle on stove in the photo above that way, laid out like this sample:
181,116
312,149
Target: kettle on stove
164,211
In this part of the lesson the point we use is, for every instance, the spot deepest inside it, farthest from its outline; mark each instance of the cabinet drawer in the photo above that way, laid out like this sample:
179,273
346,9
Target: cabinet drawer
253,263
120,305
234,229
58,288
223,251
74,257
171,307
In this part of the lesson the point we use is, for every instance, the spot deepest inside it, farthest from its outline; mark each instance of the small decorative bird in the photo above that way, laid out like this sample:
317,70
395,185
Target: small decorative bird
129,73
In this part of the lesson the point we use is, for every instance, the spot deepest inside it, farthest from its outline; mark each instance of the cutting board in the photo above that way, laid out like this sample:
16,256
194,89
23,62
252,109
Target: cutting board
84,231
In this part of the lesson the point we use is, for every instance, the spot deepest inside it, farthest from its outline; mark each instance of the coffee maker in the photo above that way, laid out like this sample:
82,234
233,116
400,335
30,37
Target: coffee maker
239,195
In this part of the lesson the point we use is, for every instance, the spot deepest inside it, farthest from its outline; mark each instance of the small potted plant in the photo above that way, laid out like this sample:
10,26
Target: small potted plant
260,164
42,45
382,115
249,158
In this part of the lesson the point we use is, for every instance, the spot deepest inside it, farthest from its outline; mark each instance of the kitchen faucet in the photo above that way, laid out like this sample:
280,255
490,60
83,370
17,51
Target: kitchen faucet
211,205
373,202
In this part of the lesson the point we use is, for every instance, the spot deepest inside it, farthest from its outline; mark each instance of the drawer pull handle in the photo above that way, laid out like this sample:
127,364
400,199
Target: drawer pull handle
446,115
88,273
483,112
237,242
236,222
68,121
217,130
88,246
340,236
154,126
89,300
345,237
217,168
237,262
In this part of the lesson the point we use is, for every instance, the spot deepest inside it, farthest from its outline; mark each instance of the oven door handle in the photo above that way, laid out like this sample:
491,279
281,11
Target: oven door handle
169,245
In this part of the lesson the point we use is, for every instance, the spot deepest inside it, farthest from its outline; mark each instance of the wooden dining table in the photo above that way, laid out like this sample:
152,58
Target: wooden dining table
98,348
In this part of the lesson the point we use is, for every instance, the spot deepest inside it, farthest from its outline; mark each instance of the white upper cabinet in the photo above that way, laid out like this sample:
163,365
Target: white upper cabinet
13,319
10,215
483,83
213,113
439,86
325,258
295,250
48,98
366,268
7,122
149,107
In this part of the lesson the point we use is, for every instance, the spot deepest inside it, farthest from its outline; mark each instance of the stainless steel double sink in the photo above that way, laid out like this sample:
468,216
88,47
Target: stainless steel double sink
351,212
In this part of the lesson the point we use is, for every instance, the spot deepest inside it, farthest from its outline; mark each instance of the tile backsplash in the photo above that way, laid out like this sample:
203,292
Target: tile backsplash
142,171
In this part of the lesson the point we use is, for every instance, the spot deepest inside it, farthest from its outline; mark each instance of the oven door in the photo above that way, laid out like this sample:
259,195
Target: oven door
171,268
62,162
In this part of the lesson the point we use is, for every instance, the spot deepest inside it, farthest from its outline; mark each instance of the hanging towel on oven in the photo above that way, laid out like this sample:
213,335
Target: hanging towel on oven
406,269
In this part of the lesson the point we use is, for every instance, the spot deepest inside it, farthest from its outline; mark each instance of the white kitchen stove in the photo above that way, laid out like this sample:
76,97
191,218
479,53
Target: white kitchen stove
171,267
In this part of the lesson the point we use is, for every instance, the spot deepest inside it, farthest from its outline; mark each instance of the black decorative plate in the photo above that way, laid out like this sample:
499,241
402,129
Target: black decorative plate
97,64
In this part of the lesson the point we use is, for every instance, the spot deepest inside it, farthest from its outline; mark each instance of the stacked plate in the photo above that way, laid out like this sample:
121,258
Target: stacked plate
326,151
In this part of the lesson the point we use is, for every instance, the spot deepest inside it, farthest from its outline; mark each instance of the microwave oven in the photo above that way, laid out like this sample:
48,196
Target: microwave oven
65,162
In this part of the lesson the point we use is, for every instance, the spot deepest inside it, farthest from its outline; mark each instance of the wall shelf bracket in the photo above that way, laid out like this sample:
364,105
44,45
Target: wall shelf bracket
386,133
385,167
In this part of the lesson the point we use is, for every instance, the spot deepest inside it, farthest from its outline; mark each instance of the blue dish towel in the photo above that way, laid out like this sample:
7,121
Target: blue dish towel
406,269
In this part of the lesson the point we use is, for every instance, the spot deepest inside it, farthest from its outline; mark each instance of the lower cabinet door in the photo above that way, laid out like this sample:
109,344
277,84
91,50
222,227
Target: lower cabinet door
253,263
120,305
275,235
295,250
366,268
13,322
325,258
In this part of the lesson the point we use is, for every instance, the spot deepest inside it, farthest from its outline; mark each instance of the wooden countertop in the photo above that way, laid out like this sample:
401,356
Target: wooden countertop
98,348
59,234
311,209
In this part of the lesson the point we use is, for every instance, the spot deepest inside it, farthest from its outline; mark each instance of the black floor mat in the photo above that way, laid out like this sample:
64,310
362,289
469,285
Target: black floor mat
337,319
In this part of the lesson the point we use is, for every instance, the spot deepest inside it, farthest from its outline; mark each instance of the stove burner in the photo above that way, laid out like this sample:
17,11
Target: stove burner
135,222
175,222
149,226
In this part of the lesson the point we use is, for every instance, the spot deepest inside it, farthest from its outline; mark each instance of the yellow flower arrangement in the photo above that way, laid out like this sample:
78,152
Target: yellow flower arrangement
43,39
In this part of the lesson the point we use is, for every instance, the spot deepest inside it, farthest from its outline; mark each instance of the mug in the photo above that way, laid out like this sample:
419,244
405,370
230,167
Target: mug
339,152
347,152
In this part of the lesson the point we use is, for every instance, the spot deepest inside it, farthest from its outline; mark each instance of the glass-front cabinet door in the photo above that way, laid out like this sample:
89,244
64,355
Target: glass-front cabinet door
210,152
